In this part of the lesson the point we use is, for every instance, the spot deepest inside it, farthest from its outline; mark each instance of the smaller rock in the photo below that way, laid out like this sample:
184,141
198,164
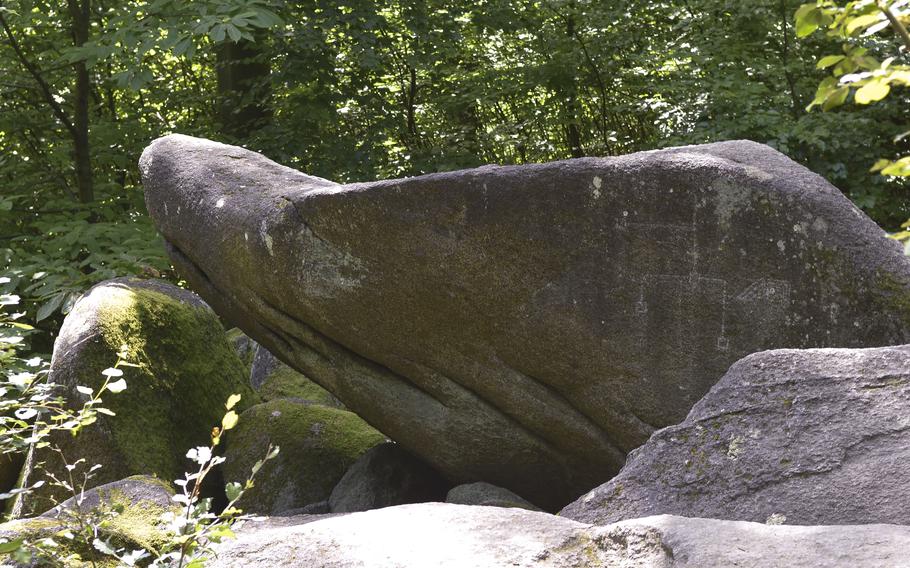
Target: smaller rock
139,490
487,495
141,501
802,436
273,380
320,508
243,346
318,444
384,476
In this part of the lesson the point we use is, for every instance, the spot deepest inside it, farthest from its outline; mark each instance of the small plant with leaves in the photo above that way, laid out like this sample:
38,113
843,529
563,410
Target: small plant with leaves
195,528
859,25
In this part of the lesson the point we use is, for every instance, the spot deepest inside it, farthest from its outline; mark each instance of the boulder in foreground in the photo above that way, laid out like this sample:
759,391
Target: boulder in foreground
811,437
455,536
529,325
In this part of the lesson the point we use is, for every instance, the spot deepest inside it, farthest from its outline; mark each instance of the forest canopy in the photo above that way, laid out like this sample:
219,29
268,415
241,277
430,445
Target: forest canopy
367,89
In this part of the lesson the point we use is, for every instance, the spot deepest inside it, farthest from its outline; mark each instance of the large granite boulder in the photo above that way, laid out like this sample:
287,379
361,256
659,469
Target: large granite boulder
812,437
529,325
184,369
454,536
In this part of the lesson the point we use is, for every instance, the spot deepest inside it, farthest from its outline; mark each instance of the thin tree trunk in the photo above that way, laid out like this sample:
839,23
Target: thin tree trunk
81,16
573,134
244,88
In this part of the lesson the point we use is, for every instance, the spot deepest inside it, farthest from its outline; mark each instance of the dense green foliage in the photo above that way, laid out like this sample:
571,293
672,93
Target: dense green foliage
365,89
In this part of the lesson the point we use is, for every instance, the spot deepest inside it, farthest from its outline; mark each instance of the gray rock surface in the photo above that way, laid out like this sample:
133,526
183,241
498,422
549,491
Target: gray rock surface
487,495
456,536
318,445
139,490
272,379
807,437
384,476
529,325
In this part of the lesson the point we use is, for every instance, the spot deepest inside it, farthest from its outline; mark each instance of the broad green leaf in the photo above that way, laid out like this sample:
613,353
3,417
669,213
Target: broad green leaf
828,61
232,401
117,386
836,98
13,545
879,165
229,420
874,90
233,490
806,20
861,22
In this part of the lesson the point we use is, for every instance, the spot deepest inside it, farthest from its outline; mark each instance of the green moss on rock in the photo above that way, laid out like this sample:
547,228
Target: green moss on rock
185,370
318,444
285,382
137,525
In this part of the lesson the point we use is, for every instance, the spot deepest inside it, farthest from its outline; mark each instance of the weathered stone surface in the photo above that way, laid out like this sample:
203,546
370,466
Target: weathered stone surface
272,379
186,370
318,444
243,346
486,495
819,436
136,491
454,536
384,476
545,317
140,500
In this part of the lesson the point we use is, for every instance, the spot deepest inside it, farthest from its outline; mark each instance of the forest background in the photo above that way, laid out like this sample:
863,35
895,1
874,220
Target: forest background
359,90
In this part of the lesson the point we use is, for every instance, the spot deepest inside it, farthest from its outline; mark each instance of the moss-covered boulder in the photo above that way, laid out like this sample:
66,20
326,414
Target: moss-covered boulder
272,379
318,444
185,370
140,502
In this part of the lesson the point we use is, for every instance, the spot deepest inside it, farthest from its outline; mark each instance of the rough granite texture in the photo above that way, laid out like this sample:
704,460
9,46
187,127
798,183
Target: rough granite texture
272,380
318,445
384,476
813,437
186,370
443,535
140,500
484,494
529,325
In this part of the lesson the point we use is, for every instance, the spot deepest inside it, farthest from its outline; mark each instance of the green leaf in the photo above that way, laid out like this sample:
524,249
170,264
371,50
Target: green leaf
880,165
807,20
229,420
11,546
218,32
874,90
117,386
836,98
233,490
233,32
232,401
862,22
828,61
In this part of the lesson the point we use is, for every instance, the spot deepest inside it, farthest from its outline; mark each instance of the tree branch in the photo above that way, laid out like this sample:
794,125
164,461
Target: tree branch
36,74
895,23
